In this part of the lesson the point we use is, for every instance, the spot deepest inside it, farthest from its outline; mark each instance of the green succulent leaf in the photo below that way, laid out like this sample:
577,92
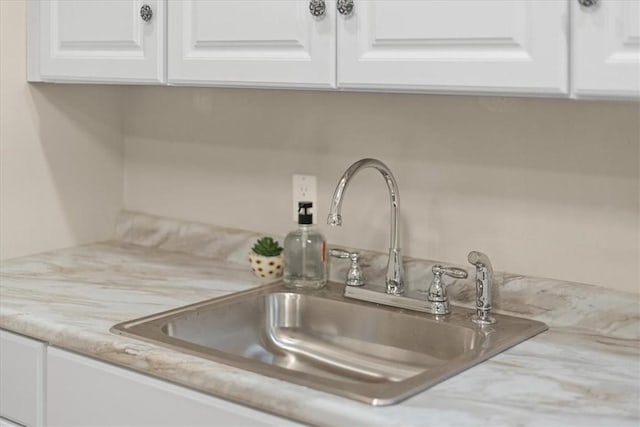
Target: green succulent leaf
266,246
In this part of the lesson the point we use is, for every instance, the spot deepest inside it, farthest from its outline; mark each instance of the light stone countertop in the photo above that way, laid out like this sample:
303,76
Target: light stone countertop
584,371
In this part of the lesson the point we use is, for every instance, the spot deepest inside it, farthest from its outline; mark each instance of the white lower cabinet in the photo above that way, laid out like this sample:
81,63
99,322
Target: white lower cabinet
85,392
47,386
21,380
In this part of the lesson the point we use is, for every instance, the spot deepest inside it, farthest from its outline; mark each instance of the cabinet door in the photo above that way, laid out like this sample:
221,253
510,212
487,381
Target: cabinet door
82,392
21,379
490,46
105,41
606,49
251,43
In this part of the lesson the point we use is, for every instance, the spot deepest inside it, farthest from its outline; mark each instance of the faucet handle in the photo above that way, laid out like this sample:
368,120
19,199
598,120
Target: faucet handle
339,253
484,283
457,273
437,292
354,275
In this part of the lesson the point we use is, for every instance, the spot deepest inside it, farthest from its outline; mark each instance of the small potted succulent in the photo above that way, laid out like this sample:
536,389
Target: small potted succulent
266,258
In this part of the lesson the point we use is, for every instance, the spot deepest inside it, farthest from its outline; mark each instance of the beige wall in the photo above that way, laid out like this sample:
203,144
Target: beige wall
61,153
546,187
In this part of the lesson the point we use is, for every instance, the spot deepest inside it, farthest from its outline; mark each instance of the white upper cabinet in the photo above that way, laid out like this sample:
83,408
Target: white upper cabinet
107,41
606,49
251,43
496,46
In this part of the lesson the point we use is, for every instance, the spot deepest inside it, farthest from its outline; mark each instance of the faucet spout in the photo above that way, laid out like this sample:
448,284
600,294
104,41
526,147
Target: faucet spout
394,280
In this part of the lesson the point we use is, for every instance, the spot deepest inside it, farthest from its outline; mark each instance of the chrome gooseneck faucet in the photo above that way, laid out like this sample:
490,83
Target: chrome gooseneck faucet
395,275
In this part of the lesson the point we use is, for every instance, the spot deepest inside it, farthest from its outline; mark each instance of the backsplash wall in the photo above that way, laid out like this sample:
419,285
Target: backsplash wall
545,187
61,153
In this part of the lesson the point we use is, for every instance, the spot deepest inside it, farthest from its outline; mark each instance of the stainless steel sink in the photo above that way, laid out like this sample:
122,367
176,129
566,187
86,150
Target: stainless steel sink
374,354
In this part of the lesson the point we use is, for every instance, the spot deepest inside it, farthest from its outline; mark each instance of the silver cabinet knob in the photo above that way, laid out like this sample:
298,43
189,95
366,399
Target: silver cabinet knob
317,7
345,7
146,13
588,3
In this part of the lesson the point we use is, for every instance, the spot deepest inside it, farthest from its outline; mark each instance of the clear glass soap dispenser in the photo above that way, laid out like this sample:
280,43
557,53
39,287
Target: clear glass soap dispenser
305,253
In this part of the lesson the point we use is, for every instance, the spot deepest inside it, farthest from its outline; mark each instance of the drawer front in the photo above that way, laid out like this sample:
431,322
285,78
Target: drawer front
83,391
21,379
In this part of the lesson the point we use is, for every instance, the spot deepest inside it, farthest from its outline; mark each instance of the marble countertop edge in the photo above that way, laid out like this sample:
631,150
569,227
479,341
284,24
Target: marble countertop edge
584,370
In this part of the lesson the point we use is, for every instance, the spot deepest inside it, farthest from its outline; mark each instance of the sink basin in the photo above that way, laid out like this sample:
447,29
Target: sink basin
371,353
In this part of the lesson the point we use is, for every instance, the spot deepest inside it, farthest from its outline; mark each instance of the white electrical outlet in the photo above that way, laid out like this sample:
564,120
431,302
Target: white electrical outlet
304,189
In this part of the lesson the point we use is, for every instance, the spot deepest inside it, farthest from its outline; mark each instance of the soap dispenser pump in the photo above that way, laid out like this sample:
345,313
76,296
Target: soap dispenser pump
305,253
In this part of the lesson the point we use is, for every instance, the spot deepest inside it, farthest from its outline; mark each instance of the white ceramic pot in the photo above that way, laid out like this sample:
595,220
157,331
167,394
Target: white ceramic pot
266,267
